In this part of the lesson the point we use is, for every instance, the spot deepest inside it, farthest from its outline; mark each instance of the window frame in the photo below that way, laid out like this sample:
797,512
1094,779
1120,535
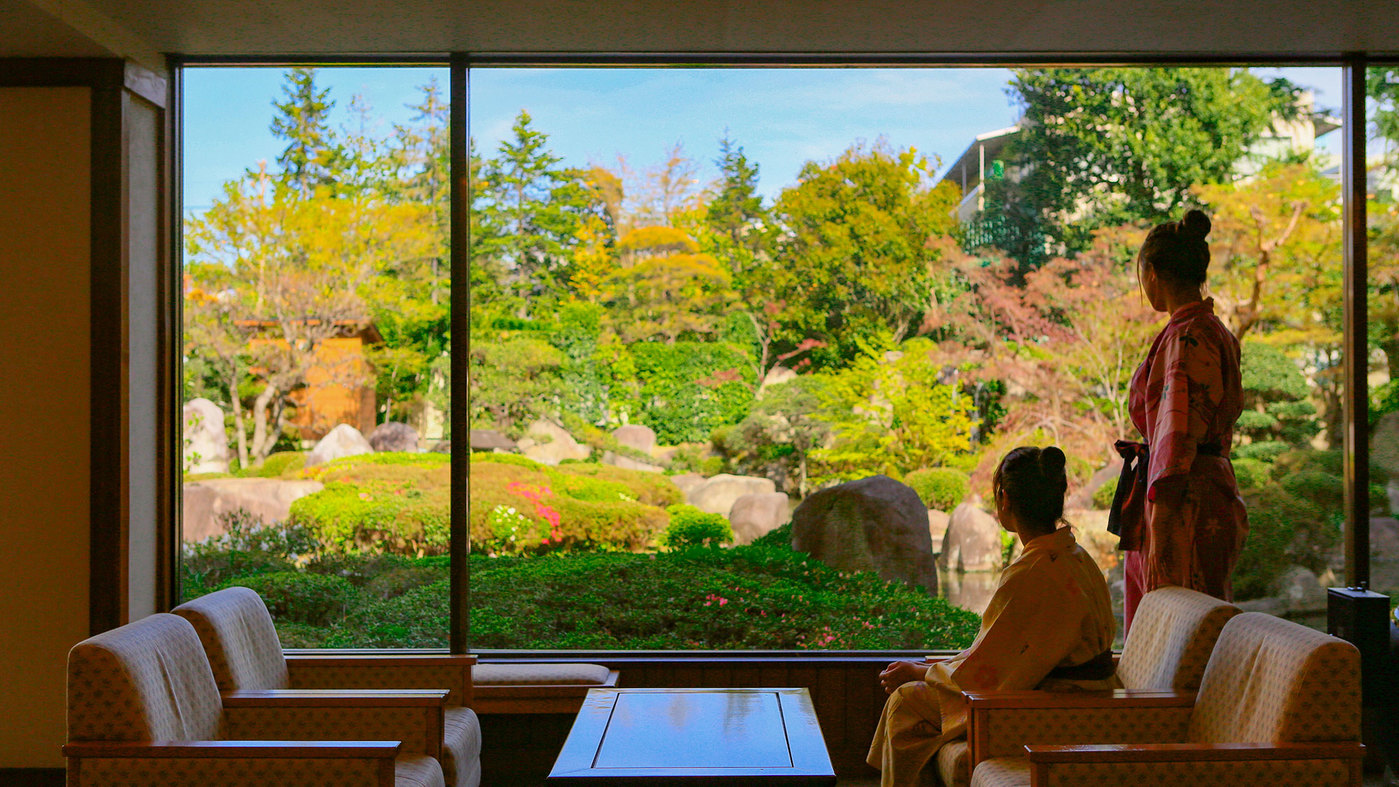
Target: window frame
460,65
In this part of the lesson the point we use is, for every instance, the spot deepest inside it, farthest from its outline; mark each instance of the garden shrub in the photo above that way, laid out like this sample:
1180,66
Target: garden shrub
940,488
418,618
1102,499
583,487
298,597
1272,528
690,527
1265,451
781,538
689,388
1252,474
376,514
746,597
282,464
506,459
247,547
652,489
1322,489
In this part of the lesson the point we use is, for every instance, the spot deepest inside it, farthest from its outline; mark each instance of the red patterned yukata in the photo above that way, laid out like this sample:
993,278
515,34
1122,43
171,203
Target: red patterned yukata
1185,398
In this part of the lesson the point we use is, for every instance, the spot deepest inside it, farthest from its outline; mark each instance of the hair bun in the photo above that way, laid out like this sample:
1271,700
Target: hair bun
1052,462
1196,223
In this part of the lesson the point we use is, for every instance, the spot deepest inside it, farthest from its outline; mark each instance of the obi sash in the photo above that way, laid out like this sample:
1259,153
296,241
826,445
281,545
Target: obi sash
1127,516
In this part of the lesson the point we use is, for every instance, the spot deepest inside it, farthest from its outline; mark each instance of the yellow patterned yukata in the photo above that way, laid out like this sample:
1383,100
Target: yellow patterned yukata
1051,609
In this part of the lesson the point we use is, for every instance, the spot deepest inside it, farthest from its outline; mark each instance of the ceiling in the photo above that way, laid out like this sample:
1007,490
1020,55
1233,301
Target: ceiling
142,28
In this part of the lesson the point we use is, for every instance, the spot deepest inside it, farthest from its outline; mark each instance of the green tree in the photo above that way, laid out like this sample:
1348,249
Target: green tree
1105,146
302,119
669,291
530,214
737,230
857,257
1277,406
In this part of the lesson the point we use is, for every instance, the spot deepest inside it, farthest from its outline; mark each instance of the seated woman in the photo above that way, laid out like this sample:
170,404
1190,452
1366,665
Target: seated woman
1049,625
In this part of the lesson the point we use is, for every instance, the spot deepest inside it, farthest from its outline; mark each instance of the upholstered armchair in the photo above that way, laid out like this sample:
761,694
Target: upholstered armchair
241,641
143,709
1279,704
1171,640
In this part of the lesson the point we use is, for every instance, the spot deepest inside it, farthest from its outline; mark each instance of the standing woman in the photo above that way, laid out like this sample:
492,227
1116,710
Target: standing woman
1179,513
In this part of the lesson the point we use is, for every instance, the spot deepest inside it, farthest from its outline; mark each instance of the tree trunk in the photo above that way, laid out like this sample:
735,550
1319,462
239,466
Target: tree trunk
238,421
262,440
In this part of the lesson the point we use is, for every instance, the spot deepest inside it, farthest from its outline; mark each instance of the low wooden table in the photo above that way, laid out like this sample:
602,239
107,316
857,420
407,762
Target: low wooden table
695,737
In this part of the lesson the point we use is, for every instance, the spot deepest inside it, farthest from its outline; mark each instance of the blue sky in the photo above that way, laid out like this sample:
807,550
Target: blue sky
781,117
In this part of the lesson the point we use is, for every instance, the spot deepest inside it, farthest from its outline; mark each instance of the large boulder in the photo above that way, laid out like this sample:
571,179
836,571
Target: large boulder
717,495
1091,531
642,438
688,481
491,441
937,527
753,516
874,524
1082,498
549,444
973,539
269,499
1299,589
394,436
344,440
627,463
1384,536
206,442
1384,442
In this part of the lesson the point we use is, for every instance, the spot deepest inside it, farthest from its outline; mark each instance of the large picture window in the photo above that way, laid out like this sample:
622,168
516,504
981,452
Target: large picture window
700,296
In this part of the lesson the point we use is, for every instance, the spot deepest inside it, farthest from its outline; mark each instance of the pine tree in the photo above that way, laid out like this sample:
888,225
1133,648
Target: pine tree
302,120
530,212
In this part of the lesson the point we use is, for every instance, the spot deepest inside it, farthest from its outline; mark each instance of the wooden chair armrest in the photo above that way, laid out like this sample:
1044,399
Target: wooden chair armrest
335,698
1194,752
414,716
386,750
1117,698
999,723
232,763
386,671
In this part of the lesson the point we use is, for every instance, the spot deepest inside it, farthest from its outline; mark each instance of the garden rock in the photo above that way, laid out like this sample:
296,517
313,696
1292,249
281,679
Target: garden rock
549,444
491,440
718,494
267,498
442,447
1299,589
1384,442
344,440
1091,531
937,527
627,463
753,516
778,375
1384,535
973,539
642,438
874,524
394,436
206,443
1082,498
687,481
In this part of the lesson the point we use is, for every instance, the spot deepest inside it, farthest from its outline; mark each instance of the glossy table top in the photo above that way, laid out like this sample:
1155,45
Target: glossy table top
695,736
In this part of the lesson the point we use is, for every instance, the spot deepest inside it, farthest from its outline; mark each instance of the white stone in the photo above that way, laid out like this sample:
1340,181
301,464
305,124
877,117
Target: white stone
549,444
937,527
642,438
717,495
205,441
344,440
754,516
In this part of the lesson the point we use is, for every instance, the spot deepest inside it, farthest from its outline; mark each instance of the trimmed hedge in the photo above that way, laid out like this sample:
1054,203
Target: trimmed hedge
691,527
751,597
1102,499
940,488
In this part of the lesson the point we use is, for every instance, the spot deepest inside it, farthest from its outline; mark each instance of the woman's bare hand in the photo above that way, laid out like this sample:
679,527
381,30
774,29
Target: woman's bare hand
899,673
